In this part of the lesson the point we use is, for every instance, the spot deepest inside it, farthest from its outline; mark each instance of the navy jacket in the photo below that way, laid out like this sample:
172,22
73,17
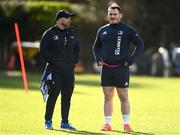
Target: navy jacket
112,44
60,49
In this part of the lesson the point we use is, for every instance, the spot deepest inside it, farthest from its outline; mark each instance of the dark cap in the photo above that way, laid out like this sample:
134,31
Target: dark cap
63,13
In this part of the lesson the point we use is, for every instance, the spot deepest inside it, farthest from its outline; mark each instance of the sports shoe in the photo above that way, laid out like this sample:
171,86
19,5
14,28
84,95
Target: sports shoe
67,126
48,124
107,127
127,128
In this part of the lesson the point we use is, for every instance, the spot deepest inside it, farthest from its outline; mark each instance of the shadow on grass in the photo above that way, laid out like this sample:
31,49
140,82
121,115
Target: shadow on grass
81,132
87,82
133,133
96,83
16,81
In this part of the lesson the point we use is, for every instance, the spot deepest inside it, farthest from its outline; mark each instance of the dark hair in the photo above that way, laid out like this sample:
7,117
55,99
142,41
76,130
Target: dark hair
115,6
63,13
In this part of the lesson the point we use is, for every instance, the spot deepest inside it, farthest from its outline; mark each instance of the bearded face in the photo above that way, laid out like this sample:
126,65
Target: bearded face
114,16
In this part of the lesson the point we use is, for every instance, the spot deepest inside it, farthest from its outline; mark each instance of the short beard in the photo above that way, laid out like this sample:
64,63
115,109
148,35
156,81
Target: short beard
66,25
114,22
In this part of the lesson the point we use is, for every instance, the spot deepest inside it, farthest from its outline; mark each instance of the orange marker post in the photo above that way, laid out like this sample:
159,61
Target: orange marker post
21,57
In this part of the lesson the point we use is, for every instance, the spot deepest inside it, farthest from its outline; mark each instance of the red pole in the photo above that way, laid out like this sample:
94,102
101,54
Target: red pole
21,57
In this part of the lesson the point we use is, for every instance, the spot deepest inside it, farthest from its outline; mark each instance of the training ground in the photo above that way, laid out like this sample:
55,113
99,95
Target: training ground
155,107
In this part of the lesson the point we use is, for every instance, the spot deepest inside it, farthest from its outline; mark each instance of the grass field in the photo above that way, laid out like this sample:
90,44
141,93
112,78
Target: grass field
155,107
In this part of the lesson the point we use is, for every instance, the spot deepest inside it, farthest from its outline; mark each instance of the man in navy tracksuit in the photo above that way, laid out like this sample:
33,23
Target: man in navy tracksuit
59,47
112,51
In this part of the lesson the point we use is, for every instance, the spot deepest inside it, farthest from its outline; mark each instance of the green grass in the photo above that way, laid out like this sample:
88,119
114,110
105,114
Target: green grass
155,107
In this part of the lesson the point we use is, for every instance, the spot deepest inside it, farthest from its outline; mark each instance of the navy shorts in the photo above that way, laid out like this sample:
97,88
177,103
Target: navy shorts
116,76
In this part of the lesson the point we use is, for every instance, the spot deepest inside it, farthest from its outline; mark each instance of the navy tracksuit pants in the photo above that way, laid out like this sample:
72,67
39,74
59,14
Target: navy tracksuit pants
63,83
